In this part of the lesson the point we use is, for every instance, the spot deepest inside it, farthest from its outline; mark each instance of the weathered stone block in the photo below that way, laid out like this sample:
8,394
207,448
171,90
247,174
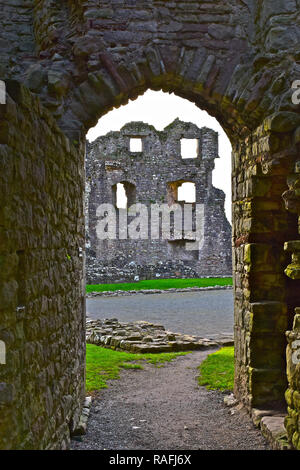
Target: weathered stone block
268,317
282,122
7,394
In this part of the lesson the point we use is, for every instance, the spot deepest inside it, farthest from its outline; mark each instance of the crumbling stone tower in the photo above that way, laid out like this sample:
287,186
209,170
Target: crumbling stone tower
153,175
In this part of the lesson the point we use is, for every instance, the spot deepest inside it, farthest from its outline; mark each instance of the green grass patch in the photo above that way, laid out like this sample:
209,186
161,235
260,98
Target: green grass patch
217,370
161,284
129,365
103,364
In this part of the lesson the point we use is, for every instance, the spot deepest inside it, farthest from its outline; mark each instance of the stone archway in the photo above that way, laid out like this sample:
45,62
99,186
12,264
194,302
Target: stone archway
237,61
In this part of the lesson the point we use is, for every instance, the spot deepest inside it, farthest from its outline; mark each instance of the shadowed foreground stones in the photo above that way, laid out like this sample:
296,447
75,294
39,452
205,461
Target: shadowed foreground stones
145,337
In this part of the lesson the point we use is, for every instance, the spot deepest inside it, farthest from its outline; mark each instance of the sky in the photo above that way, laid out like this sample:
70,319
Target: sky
160,109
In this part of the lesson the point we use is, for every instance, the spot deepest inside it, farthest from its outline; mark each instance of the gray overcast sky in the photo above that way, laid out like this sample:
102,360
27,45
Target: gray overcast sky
160,109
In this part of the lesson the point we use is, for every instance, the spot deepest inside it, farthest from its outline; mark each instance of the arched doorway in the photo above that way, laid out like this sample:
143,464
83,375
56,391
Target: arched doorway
237,62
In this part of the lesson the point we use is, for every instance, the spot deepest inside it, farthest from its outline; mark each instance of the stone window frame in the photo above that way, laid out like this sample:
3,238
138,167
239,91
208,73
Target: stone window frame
198,146
130,192
184,200
136,137
172,191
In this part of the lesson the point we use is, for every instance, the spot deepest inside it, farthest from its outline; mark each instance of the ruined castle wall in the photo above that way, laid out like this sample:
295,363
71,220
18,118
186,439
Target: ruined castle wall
41,273
152,176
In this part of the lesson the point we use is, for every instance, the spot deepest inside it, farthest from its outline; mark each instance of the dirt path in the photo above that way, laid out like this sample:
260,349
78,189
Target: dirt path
164,409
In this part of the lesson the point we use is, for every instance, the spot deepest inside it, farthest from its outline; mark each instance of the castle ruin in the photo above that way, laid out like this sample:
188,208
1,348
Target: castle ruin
152,170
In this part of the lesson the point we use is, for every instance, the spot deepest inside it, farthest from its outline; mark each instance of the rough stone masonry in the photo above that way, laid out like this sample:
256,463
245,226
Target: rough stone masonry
145,337
153,175
65,65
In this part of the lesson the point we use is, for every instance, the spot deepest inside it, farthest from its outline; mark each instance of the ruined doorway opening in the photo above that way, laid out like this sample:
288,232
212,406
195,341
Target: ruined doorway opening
251,97
160,109
180,149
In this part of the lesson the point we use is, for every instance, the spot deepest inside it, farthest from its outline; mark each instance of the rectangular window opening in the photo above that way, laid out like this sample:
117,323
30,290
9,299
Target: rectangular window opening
136,144
187,192
189,148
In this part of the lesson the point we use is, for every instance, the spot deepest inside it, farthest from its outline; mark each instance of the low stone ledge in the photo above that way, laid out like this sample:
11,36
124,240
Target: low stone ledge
271,424
82,425
145,337
272,427
117,293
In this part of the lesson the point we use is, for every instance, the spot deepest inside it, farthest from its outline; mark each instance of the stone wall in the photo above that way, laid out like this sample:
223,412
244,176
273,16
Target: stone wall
41,277
264,296
237,61
82,59
153,176
292,202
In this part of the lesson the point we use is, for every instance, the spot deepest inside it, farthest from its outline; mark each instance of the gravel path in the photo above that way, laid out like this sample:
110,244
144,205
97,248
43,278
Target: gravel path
207,313
164,409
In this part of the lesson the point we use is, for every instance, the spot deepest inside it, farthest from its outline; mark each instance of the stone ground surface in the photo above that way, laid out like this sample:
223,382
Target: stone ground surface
165,409
207,313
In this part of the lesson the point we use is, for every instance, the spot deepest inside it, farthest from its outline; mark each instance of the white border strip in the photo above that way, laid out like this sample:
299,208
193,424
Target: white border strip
2,92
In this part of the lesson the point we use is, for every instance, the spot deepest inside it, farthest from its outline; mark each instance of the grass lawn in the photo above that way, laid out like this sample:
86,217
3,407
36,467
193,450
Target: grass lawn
104,364
161,284
217,371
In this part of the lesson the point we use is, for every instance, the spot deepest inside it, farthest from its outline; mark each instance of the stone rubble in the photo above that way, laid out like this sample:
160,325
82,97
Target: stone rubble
146,337
230,400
